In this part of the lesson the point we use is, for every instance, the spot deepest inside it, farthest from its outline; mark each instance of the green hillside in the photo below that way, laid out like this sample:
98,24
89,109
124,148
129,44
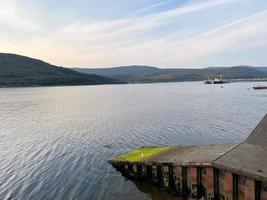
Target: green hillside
17,71
146,74
122,73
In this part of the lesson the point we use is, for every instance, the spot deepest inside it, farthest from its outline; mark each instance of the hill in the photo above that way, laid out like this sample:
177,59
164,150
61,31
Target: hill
263,69
122,73
147,74
17,70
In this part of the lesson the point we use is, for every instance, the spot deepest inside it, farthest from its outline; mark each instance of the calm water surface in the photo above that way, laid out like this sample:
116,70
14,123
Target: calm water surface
54,141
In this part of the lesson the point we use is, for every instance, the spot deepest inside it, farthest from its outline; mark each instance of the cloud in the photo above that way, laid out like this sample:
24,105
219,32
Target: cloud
153,39
152,7
127,31
242,34
230,37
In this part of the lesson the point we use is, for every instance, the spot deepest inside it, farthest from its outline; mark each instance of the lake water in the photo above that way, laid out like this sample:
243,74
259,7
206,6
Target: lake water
55,141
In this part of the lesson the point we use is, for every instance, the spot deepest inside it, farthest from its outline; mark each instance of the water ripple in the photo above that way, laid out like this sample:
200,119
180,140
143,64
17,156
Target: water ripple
54,142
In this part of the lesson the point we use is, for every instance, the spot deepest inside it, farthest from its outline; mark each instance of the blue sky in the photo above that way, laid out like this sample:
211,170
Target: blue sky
105,33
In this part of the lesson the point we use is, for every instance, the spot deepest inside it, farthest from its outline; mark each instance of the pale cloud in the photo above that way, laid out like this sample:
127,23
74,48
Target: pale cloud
117,28
232,37
24,22
131,40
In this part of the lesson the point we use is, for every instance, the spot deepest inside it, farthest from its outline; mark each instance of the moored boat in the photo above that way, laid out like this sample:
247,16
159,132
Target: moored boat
216,80
219,81
259,87
208,82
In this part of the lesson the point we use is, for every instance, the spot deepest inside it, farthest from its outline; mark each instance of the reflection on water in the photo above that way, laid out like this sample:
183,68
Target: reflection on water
154,191
54,141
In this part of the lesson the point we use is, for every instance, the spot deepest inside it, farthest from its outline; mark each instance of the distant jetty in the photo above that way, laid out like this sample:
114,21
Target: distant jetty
247,80
228,171
219,81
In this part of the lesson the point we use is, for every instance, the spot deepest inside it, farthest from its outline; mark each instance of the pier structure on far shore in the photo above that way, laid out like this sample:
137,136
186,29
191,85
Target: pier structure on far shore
224,171
247,80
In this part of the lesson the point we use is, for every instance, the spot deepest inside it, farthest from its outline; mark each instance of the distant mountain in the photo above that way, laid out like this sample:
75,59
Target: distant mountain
147,74
122,73
17,70
263,69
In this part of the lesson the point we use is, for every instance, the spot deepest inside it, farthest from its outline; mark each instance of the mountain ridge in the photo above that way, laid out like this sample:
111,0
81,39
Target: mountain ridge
17,70
147,74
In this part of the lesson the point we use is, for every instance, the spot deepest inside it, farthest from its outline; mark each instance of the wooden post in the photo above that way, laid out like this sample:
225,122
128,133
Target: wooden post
263,195
225,185
208,182
154,174
246,188
165,175
178,180
194,182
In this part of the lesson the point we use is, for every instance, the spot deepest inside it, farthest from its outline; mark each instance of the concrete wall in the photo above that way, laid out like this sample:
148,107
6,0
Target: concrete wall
188,181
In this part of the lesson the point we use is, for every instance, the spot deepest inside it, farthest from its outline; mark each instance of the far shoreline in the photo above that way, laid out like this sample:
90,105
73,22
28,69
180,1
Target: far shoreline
140,83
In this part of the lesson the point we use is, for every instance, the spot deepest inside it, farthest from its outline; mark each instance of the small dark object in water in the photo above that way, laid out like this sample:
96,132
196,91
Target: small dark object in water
108,146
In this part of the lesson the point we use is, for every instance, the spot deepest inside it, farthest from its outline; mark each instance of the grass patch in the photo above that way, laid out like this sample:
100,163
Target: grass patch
140,154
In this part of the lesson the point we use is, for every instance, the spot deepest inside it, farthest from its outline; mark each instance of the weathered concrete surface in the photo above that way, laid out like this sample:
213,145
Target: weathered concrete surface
140,154
259,134
202,155
248,158
192,155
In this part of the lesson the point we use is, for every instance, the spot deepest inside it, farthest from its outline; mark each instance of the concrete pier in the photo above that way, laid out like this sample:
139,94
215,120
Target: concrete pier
225,172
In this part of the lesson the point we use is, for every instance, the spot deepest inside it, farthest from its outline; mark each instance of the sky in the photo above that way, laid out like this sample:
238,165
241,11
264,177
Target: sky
106,33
